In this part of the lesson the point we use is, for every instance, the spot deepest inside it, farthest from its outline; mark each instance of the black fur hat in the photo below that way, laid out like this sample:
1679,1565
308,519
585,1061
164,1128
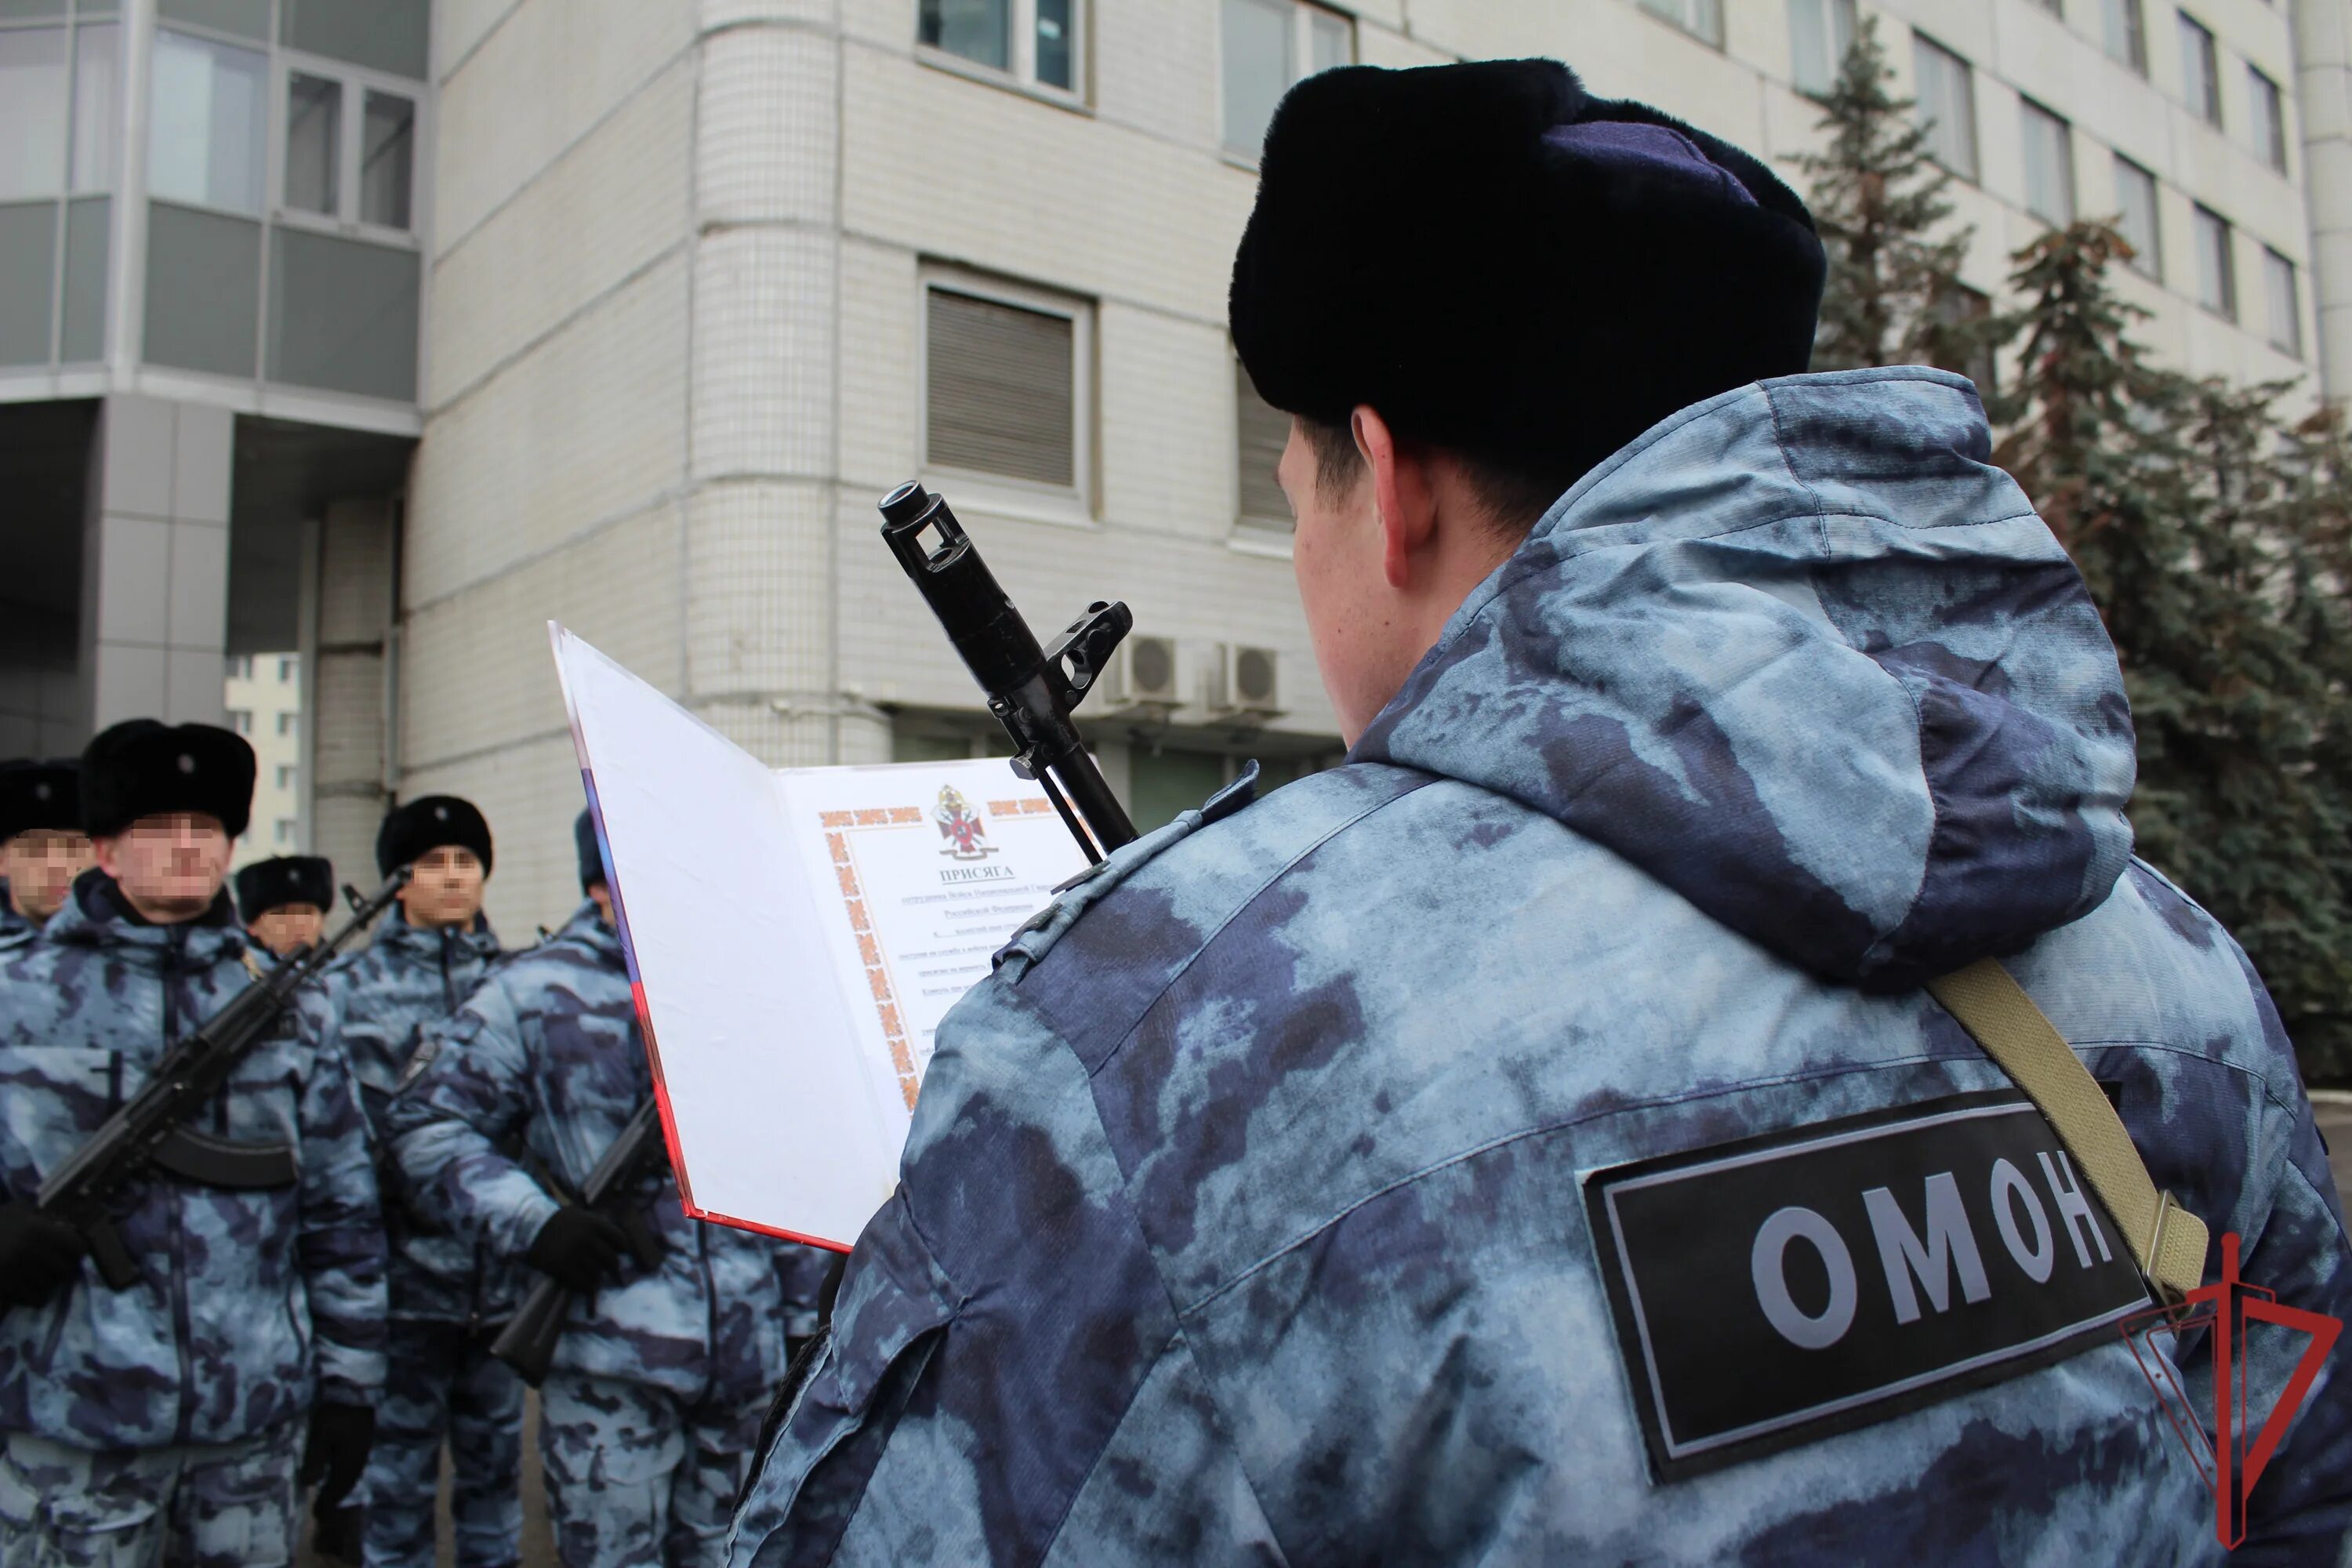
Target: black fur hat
583,840
1508,267
267,885
39,794
141,767
429,822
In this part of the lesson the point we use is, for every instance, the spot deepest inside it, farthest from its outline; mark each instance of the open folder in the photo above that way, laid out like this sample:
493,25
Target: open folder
794,936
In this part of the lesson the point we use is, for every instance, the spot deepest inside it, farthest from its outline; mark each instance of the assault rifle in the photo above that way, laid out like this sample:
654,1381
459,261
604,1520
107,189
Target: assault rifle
1030,690
151,1133
528,1341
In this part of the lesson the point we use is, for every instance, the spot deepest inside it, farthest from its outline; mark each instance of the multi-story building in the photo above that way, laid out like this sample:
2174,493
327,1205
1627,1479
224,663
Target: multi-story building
690,283
264,697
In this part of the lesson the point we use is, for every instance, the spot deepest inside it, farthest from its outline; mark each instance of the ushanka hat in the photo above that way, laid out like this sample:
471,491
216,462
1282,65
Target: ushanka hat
36,795
267,885
583,840
142,767
428,823
1508,267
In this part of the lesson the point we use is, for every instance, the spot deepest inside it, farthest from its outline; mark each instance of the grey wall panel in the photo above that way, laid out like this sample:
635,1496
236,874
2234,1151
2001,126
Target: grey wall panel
85,294
246,18
342,314
204,290
24,10
28,241
382,35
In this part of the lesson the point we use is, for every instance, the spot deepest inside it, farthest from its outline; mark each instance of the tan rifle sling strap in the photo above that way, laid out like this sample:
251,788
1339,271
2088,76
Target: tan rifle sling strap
2166,1240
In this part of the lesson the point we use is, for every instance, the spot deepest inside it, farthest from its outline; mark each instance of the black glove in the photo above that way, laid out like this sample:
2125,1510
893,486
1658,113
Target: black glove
578,1246
338,1450
39,1257
339,1531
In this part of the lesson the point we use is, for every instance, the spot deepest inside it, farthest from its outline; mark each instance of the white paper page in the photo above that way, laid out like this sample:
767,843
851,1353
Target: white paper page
924,871
774,1115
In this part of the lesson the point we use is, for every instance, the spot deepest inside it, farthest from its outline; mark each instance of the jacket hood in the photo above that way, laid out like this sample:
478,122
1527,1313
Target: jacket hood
407,944
1803,655
94,916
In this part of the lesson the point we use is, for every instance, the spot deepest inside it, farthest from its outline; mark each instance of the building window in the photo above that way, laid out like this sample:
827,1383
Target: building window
2055,7
2217,273
285,668
2284,311
284,831
363,178
241,720
2200,71
1268,44
1261,432
2136,204
1003,370
93,109
285,775
2124,32
1034,41
1699,18
32,112
1947,109
206,129
2049,166
1820,33
285,723
314,139
240,667
2270,119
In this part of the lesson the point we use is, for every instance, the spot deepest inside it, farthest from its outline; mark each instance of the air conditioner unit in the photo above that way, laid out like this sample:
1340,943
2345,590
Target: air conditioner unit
1142,674
1245,680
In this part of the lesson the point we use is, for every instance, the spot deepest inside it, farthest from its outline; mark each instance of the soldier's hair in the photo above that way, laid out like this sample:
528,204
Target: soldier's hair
1512,494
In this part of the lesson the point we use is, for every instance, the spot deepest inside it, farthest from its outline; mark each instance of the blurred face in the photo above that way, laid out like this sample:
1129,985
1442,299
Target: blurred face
288,927
601,895
170,865
444,888
41,866
1363,647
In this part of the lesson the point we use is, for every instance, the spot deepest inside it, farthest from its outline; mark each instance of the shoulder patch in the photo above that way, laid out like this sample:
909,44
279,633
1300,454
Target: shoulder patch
1772,1292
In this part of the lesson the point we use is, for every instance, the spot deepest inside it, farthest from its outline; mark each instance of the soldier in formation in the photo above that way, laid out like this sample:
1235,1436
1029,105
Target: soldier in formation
284,901
448,1297
661,1377
1537,1141
178,1416
42,845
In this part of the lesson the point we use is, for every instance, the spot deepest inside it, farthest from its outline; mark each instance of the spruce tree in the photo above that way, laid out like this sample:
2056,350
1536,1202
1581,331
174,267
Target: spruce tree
1880,202
2193,519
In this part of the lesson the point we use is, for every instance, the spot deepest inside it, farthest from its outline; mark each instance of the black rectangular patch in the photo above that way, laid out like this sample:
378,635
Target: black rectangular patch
1772,1291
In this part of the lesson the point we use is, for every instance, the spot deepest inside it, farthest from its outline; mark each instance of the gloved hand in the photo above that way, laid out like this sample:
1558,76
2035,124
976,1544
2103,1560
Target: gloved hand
40,1257
338,1450
578,1246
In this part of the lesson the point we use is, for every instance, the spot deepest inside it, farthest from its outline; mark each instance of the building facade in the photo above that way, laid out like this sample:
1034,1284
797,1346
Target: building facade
691,283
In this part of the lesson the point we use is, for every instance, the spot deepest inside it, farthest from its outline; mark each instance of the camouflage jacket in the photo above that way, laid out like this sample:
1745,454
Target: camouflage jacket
547,1052
250,1303
381,1000
1265,1205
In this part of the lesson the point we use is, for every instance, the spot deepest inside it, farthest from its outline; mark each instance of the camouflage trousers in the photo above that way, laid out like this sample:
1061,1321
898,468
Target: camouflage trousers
228,1505
443,1383
637,1478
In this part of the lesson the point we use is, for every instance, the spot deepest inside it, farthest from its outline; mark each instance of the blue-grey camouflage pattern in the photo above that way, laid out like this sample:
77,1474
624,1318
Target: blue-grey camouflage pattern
637,1476
443,1383
251,1305
548,1051
219,1505
1242,1219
